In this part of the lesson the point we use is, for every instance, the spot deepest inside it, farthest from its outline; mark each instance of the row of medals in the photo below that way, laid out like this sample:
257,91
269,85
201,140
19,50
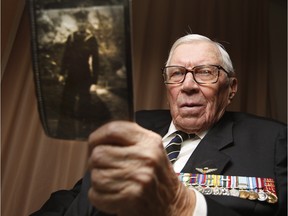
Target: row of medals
236,192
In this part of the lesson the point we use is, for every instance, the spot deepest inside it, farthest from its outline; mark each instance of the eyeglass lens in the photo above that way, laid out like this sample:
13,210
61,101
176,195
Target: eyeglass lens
201,74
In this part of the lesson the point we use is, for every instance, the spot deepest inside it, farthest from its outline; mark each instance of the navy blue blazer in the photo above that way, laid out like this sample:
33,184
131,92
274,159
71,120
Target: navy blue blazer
238,145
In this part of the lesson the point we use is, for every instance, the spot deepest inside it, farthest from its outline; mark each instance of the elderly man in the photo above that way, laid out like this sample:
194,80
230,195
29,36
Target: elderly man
228,163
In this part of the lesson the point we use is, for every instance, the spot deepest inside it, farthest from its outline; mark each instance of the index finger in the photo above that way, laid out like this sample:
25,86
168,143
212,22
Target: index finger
121,133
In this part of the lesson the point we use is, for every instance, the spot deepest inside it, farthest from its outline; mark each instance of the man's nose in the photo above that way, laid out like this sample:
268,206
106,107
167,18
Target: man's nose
189,82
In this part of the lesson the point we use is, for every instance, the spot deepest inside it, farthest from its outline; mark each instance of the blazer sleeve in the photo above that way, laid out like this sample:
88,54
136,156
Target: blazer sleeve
59,202
280,170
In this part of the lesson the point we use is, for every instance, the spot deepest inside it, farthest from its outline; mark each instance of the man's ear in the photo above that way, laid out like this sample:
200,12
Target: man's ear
233,87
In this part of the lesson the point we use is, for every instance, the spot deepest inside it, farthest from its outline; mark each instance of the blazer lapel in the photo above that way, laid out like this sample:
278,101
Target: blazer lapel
208,152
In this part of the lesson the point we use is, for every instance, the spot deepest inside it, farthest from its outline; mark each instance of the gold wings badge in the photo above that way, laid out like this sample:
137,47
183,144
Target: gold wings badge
206,170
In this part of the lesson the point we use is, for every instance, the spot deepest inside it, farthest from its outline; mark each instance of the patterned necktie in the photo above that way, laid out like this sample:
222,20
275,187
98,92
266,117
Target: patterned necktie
174,146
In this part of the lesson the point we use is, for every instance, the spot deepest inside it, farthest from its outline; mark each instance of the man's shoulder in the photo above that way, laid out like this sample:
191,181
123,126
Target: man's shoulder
252,120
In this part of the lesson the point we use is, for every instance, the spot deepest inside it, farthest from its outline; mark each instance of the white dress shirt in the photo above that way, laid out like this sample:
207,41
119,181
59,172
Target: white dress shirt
187,148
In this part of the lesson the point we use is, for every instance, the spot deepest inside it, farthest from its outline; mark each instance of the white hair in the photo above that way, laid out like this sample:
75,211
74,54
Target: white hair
227,63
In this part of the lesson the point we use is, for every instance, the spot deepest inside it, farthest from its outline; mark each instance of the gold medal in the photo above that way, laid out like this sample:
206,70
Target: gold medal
252,195
243,194
272,198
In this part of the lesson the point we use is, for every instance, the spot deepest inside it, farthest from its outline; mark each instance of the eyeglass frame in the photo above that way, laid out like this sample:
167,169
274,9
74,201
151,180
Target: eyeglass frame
219,67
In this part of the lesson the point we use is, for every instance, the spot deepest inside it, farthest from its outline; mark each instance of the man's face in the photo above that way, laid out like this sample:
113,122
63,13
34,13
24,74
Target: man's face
194,107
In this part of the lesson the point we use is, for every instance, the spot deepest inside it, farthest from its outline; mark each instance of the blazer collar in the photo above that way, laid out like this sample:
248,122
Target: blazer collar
162,127
208,152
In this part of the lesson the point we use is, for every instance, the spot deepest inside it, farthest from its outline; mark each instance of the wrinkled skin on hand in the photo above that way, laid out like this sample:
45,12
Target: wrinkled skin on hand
131,174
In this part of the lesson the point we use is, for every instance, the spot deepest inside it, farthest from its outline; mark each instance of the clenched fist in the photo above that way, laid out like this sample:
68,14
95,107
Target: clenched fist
131,174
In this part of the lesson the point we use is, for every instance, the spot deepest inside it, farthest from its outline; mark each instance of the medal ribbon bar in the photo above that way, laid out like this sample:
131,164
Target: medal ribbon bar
252,188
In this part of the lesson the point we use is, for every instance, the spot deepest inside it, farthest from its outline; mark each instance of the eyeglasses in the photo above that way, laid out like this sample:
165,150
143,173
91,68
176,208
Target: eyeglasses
202,74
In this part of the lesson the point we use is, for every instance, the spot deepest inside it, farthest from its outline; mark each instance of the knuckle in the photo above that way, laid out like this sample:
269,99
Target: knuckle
111,128
98,155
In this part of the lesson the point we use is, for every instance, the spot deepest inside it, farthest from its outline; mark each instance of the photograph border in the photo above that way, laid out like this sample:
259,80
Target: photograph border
35,7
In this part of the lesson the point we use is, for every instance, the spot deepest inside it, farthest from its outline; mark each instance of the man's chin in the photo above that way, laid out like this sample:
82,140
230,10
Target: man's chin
189,115
188,123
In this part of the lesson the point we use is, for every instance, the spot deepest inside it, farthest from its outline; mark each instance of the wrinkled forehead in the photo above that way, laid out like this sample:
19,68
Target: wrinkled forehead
195,52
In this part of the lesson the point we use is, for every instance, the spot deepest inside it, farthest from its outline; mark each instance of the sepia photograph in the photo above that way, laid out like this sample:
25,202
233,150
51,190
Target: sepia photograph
81,57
